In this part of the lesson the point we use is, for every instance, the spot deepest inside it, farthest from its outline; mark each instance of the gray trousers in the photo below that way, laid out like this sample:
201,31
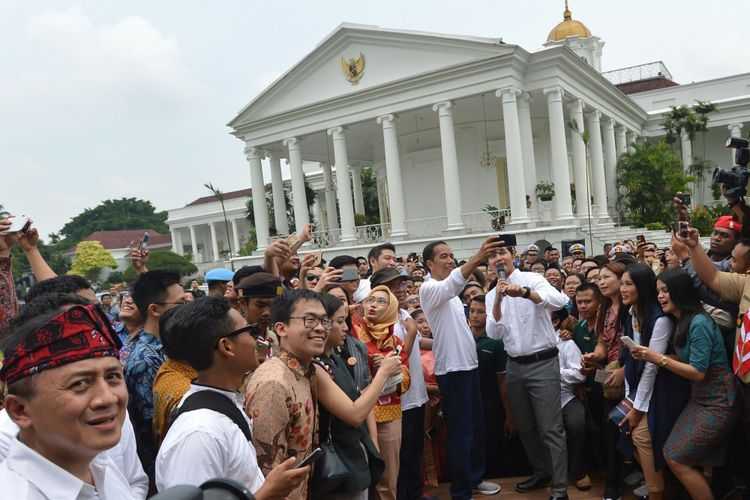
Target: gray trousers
534,396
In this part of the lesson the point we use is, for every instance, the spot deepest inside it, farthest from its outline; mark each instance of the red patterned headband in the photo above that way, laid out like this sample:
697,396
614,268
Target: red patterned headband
81,332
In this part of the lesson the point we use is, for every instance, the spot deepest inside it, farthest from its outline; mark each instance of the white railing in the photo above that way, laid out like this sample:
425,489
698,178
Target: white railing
370,233
637,73
486,221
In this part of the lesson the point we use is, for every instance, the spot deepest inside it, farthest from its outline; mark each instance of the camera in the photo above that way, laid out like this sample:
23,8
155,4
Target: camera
735,179
213,489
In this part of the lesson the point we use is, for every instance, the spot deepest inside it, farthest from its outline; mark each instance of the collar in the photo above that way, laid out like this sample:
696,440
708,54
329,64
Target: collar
295,365
53,481
233,395
180,367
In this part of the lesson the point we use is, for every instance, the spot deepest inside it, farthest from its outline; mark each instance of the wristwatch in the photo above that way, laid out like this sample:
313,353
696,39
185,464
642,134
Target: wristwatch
526,292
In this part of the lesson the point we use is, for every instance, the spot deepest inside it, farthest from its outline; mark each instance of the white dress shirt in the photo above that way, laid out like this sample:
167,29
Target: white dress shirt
570,370
124,455
205,444
528,326
659,340
453,344
362,291
416,396
27,475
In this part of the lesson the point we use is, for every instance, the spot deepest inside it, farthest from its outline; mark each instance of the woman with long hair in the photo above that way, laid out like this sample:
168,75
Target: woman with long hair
380,315
353,351
355,446
609,326
657,396
701,433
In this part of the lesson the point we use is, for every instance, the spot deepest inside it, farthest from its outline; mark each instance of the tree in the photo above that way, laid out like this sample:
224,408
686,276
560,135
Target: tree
113,215
370,196
165,260
648,177
90,258
268,195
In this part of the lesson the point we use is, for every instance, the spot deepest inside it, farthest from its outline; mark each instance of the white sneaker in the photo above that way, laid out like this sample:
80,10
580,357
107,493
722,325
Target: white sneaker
487,488
641,491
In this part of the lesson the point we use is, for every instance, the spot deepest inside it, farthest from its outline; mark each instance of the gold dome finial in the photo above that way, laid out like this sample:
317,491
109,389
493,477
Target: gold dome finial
568,28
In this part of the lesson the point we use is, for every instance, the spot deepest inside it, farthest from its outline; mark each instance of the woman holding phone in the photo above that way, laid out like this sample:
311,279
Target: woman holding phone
701,433
656,395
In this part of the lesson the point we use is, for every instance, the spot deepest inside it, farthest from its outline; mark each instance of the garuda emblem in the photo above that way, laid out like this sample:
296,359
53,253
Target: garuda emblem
353,68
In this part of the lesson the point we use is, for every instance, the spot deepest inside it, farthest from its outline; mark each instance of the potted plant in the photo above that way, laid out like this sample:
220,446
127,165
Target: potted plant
545,191
497,218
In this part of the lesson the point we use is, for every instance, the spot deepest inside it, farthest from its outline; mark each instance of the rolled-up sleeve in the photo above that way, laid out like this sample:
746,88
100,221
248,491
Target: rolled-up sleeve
552,299
494,329
434,293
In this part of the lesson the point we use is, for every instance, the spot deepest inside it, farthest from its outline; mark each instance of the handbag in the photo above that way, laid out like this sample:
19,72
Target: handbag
330,470
616,392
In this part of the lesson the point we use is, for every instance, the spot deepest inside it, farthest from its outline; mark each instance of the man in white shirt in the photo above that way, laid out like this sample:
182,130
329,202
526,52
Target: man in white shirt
124,455
380,257
414,400
522,304
207,441
456,363
67,396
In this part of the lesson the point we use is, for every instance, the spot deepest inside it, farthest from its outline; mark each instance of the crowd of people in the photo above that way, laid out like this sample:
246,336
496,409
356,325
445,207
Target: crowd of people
379,376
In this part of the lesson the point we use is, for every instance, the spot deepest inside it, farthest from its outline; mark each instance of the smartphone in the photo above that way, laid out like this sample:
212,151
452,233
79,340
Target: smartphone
19,225
509,240
628,342
684,198
501,274
350,274
640,238
309,459
682,228
143,245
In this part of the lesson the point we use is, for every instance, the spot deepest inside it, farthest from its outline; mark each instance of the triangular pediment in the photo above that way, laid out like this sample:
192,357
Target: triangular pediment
383,55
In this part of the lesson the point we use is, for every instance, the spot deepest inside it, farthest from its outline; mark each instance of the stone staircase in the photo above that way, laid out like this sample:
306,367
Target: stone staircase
609,233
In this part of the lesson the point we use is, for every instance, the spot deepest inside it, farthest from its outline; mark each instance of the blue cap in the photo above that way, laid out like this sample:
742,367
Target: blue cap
219,275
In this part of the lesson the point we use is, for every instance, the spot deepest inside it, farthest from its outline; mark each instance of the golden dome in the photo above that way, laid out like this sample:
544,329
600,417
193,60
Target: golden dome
568,28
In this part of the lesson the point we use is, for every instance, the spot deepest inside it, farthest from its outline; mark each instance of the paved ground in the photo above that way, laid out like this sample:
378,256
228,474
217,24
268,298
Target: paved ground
508,493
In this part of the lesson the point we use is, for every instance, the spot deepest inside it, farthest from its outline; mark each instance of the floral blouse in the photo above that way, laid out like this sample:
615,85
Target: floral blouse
280,402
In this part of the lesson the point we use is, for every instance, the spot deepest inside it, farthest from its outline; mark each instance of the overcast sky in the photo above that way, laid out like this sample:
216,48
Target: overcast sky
104,99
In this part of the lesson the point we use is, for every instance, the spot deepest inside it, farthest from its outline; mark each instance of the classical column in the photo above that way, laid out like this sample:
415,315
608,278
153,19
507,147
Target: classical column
596,151
175,248
260,210
214,241
559,152
621,140
583,195
194,244
527,144
279,200
343,184
359,200
235,237
687,151
383,210
332,217
396,202
610,162
514,155
630,138
299,198
735,130
451,177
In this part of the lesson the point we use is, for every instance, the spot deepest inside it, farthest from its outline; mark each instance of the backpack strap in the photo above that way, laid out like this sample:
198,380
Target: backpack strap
212,400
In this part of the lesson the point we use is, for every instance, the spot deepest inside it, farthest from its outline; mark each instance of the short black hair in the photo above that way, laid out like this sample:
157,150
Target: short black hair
244,272
376,251
587,286
361,258
151,287
189,332
342,260
331,303
282,307
429,251
69,283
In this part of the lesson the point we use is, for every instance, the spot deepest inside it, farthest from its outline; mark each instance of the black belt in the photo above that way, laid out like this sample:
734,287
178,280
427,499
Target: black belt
537,356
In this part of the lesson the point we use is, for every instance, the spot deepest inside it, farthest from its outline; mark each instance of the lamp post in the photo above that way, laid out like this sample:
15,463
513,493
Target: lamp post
220,196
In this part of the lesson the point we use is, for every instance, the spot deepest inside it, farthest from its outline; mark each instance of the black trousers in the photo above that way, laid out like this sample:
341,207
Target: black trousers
412,451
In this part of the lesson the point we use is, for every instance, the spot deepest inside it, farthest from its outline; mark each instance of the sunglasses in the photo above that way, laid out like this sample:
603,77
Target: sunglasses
312,277
253,330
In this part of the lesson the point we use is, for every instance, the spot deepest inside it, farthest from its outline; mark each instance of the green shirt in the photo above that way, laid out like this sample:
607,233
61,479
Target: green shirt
492,357
584,338
704,347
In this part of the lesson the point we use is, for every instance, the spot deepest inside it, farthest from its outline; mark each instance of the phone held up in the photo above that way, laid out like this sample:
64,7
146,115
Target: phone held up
681,228
310,459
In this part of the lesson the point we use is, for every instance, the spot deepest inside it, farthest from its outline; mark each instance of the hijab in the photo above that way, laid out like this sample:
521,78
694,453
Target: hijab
380,330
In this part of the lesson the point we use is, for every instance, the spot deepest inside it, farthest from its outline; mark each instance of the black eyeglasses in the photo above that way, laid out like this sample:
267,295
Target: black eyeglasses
181,303
313,321
312,277
253,330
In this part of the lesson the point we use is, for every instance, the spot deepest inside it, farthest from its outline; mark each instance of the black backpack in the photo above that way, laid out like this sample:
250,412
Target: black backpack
212,400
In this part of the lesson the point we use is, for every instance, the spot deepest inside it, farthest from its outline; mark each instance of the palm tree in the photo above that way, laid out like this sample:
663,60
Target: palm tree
220,196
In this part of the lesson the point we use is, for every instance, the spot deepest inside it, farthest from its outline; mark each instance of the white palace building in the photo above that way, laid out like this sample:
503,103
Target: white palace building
450,124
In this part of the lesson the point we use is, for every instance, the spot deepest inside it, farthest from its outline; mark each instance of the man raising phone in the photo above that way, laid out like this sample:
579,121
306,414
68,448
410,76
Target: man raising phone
521,319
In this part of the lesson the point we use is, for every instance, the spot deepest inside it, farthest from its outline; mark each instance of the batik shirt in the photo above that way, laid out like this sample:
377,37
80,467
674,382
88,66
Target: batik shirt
8,302
280,402
143,361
